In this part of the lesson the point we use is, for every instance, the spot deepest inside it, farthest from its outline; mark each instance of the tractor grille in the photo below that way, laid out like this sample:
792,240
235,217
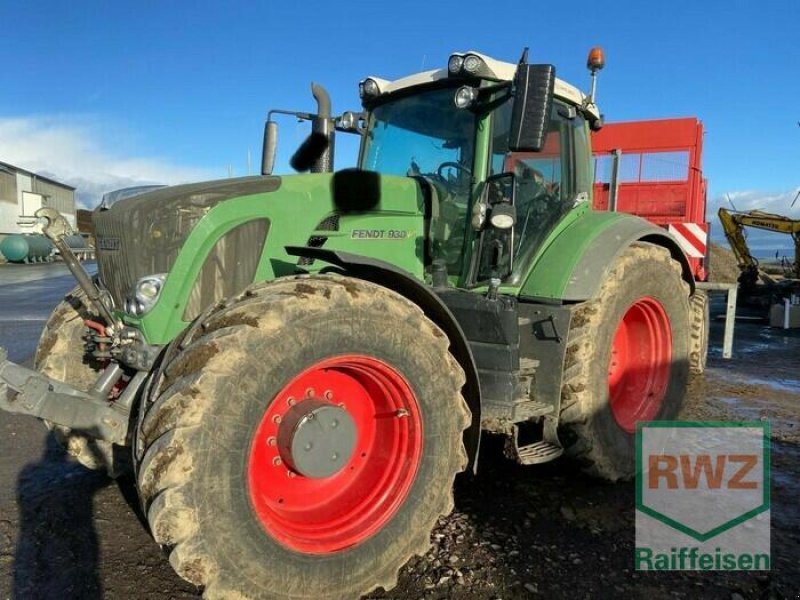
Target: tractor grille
229,268
143,235
329,223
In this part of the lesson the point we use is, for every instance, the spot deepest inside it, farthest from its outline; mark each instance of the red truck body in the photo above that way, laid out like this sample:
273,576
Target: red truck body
659,178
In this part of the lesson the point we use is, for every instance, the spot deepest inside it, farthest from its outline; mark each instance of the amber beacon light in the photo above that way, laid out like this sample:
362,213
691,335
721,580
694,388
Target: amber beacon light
594,63
596,60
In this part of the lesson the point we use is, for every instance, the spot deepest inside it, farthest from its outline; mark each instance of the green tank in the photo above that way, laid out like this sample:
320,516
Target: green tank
26,248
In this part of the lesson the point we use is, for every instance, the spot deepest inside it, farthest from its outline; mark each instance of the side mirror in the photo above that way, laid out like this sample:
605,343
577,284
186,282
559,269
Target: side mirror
270,145
533,99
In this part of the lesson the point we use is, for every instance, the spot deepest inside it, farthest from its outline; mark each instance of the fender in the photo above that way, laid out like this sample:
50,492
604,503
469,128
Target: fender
572,268
402,282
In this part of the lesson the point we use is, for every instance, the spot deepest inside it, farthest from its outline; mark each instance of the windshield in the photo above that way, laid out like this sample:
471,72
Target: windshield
425,135
416,135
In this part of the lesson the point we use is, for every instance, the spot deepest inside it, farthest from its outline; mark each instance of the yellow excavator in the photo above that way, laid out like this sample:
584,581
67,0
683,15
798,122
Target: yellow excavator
733,224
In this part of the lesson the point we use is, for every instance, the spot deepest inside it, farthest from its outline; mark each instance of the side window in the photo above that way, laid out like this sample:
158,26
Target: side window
546,182
545,188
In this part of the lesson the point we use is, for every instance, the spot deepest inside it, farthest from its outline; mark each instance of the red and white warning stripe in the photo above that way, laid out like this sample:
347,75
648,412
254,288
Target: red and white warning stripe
692,237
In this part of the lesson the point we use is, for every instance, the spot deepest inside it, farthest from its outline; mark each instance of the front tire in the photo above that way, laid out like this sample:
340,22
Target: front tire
230,473
627,360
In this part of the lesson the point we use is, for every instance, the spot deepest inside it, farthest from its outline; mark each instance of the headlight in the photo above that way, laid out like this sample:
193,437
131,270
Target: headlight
369,88
503,216
348,120
465,96
455,63
472,63
145,294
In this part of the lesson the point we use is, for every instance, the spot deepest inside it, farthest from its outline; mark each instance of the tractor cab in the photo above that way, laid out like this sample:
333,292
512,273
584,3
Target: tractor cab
502,151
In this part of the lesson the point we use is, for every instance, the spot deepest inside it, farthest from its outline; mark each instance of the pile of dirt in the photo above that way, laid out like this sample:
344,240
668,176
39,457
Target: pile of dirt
723,267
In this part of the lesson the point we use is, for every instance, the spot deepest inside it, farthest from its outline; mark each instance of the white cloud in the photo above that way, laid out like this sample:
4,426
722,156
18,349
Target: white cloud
779,203
78,153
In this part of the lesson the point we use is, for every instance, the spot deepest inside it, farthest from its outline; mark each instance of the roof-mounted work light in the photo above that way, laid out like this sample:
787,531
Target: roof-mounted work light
471,64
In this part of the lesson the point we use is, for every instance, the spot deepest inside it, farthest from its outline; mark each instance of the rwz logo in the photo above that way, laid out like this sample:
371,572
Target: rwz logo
702,495
687,471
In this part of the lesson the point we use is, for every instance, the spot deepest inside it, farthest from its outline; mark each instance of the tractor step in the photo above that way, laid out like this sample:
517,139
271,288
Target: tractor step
539,452
530,409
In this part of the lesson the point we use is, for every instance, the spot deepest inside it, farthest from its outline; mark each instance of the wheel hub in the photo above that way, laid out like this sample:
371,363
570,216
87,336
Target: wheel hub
363,411
316,439
640,362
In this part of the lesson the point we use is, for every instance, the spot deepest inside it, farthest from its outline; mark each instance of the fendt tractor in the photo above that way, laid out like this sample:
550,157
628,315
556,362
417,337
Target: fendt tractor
297,367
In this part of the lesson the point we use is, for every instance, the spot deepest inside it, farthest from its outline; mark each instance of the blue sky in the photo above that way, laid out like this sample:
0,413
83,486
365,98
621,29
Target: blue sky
106,92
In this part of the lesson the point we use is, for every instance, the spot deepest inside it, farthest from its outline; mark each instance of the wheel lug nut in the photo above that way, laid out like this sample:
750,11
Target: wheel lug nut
290,401
328,394
309,392
271,441
276,419
277,462
290,474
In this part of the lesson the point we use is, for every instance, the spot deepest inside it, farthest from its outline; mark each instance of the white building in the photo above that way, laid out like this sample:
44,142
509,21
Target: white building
22,193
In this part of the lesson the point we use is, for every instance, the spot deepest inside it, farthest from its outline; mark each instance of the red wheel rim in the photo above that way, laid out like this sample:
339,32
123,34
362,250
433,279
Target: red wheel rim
639,367
320,515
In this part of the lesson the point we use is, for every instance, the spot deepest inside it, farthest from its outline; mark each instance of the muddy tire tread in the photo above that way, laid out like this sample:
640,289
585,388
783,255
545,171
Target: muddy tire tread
698,342
168,442
582,349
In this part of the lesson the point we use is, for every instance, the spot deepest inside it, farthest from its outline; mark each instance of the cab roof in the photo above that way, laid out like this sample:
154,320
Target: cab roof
504,71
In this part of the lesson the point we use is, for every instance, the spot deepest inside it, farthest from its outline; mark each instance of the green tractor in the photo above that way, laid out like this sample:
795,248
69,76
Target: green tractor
297,367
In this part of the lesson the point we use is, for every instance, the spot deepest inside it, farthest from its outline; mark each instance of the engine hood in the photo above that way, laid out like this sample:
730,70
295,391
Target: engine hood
144,234
213,239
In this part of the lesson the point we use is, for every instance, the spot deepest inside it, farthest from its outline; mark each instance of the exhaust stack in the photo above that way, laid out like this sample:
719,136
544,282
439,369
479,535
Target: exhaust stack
322,123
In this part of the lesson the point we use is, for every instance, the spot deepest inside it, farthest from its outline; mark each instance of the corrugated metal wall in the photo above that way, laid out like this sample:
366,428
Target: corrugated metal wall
21,191
8,187
63,200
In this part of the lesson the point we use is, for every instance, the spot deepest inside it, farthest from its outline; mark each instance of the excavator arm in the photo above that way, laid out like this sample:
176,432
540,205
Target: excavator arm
733,223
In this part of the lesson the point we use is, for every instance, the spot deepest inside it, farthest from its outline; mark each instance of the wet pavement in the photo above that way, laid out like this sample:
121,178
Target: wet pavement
516,532
28,293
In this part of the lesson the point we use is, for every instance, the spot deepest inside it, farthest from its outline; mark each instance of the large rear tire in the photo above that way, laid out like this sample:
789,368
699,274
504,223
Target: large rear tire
61,355
627,360
230,475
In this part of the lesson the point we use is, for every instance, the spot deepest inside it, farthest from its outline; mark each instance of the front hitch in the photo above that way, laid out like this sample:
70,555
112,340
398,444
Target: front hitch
27,392
57,229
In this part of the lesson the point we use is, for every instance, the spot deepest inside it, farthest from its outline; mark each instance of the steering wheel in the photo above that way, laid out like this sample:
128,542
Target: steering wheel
451,165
